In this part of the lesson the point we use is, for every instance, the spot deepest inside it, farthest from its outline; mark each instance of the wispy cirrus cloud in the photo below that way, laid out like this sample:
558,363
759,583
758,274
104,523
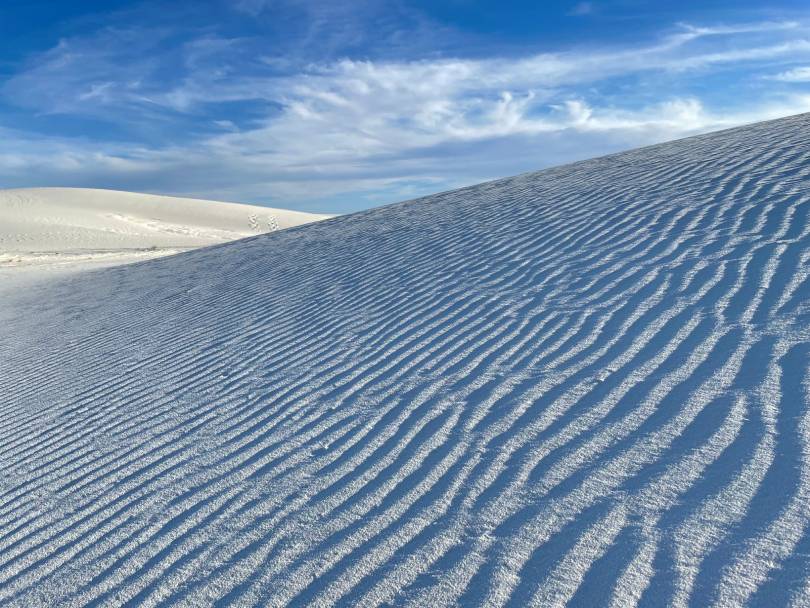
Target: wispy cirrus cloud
800,74
581,8
223,116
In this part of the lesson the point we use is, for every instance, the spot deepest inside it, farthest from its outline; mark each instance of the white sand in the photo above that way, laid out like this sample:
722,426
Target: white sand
585,386
47,230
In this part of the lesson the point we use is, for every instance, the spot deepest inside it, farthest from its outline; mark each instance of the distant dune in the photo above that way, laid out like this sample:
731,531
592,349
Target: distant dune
54,228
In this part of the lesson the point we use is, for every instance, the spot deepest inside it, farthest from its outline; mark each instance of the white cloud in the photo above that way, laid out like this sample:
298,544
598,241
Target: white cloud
800,74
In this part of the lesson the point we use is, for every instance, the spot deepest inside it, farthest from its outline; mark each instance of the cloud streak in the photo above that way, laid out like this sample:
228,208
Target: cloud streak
800,74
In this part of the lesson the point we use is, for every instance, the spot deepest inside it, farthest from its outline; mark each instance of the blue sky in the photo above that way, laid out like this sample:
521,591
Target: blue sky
338,106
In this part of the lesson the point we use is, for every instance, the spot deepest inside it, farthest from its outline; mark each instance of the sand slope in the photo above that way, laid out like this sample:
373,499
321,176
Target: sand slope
58,227
586,385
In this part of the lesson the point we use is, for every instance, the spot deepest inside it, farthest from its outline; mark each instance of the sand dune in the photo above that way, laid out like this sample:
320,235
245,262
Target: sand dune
56,228
586,386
